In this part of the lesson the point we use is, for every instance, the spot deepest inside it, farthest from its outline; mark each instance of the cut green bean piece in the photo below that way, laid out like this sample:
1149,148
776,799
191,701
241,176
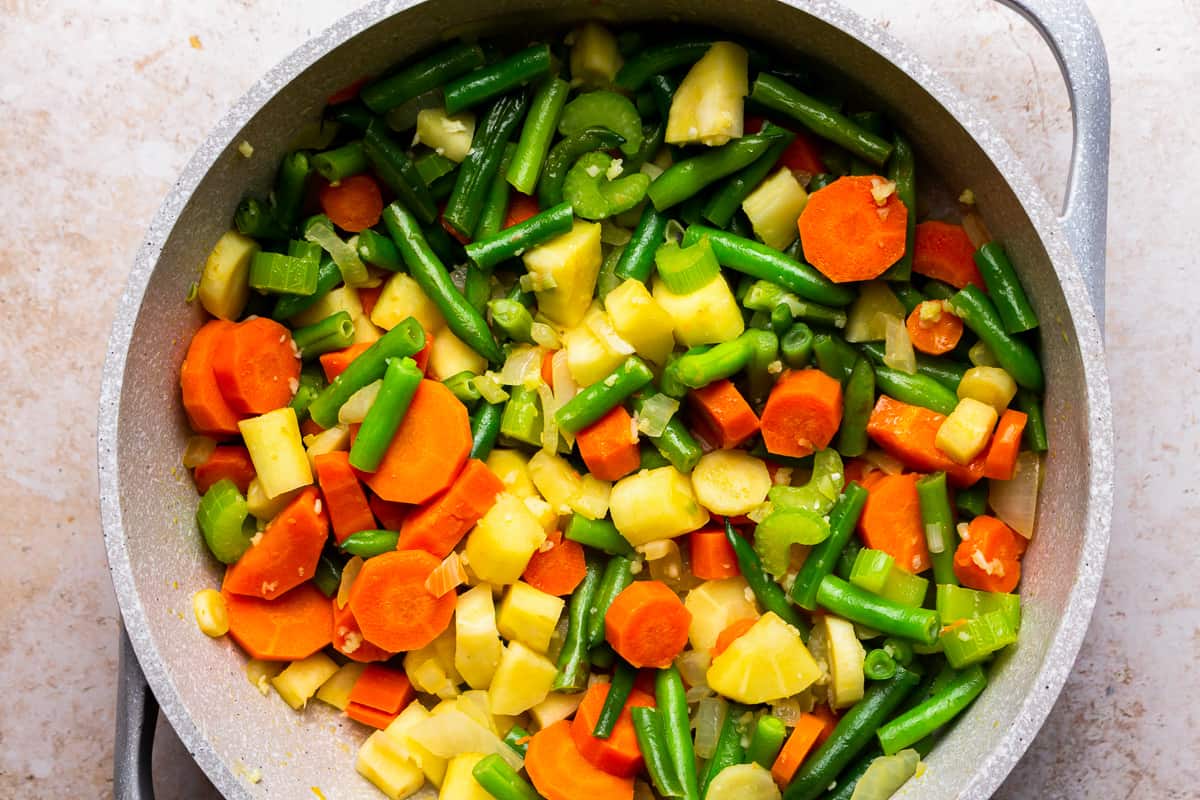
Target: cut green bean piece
822,559
328,575
368,544
512,241
432,167
495,201
599,534
652,742
729,749
820,118
573,660
513,739
726,201
335,332
425,75
878,613
534,145
980,315
676,444
879,665
767,296
637,260
769,593
290,187
673,705
618,574
835,357
796,346
938,520
345,161
916,389
485,429
312,381
513,319
406,339
479,169
686,178
598,399
400,382
902,169
255,219
946,372
766,741
462,384
857,402
501,781
484,84
1035,427
614,702
917,723
651,61
397,170
378,250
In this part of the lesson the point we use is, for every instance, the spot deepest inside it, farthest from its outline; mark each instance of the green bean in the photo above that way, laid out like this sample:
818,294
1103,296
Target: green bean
879,665
522,421
824,557
536,135
368,544
405,339
651,61
819,118
602,656
598,399
400,382
572,661
972,500
461,317
432,167
484,84
637,260
328,575
686,178
938,290
341,163
916,389
1035,428
819,182
663,88
845,561
835,357
766,741
255,219
513,319
397,170
312,381
766,296
672,704
676,443
479,169
652,142
902,169
917,723
857,605
729,749
599,534
485,428
335,332
378,250
444,246
764,357
769,593
290,187
513,241
781,320
796,346
566,153
462,384
652,741
979,314
726,201
756,259
495,200
855,731
1004,288
501,781
909,296
425,75
695,370
607,280
353,115
513,739
618,574
946,372
857,402
938,521
650,458
614,702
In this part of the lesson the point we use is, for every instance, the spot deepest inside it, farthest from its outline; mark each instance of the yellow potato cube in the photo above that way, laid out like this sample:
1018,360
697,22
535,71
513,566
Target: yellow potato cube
402,298
301,679
336,690
431,668
991,385
477,647
714,606
706,316
452,732
499,547
512,468
768,662
522,680
224,283
593,498
965,433
259,673
273,440
707,106
460,784
640,320
344,298
450,135
528,615
595,59
730,482
589,359
450,356
399,731
655,504
571,262
555,479
384,764
774,207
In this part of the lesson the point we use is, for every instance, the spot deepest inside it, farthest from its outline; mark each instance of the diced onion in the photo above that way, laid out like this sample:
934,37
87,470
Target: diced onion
899,353
549,424
866,321
886,775
447,576
659,548
977,232
787,711
693,667
564,388
655,413
355,409
349,573
668,568
1015,501
883,461
198,450
545,335
600,325
710,717
354,271
523,366
489,388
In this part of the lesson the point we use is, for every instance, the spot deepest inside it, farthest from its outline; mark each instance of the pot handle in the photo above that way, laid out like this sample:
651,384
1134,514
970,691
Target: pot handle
1072,34
137,713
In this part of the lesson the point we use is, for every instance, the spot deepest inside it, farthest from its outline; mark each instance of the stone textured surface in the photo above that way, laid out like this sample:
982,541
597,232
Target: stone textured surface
104,102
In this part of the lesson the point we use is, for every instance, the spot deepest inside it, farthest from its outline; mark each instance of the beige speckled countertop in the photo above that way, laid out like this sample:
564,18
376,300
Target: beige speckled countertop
104,101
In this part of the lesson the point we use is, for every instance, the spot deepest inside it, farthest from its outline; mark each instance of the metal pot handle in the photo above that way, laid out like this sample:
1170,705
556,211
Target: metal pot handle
1072,34
137,713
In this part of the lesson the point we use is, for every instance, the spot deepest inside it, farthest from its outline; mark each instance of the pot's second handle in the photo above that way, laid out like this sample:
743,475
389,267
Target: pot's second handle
137,713
1072,34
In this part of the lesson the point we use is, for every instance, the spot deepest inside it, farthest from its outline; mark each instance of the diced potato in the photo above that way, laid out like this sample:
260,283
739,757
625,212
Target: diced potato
476,705
500,546
766,663
365,331
522,680
477,647
714,606
327,441
449,355
991,385
431,668
399,732
706,316
344,298
774,207
209,608
730,482
543,512
301,679
555,479
384,764
655,504
460,784
260,673
402,298
512,468
593,498
453,732
867,320
707,107
846,656
589,359
528,615
640,320
571,262
224,283
267,508
448,134
595,59
965,433
336,690
557,706
273,440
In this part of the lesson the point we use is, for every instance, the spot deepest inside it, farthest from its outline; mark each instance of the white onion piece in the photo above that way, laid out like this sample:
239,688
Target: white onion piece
354,271
523,366
545,335
600,325
976,230
489,388
710,716
1015,501
883,461
656,412
355,409
886,775
349,573
198,450
564,389
549,423
693,667
899,353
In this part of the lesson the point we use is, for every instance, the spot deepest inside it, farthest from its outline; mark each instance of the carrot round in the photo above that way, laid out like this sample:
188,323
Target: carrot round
385,688
393,608
428,450
440,525
989,556
335,363
256,366
287,553
733,631
353,204
609,445
932,329
945,252
619,754
344,495
712,557
849,236
647,624
230,461
891,522
909,433
557,571
288,628
721,415
1001,460
802,413
560,772
208,411
348,640
520,208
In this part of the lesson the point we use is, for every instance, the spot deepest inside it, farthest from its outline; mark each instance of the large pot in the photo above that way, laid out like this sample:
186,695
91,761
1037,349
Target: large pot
148,504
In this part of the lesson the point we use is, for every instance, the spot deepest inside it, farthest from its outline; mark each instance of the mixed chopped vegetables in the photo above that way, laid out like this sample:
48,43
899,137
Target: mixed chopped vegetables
578,432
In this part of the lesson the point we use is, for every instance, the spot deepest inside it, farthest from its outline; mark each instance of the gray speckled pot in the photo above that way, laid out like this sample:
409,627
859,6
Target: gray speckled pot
148,502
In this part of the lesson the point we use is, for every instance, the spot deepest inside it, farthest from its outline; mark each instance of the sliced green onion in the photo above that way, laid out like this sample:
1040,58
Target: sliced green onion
687,269
281,274
976,639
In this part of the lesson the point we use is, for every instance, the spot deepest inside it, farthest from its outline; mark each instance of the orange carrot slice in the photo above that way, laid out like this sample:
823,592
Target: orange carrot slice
609,445
802,414
384,688
647,624
989,556
288,628
934,337
230,461
438,526
1001,460
288,552
256,366
393,608
206,407
344,495
348,640
619,754
891,522
945,252
712,556
353,204
847,234
908,433
335,363
558,570
560,772
796,748
721,415
733,631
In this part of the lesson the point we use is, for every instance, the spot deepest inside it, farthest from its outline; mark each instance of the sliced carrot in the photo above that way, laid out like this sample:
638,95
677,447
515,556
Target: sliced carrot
520,208
439,525
369,716
802,413
733,631
428,450
908,433
560,772
1001,460
393,608
230,461
335,363
619,754
287,553
346,93
368,296
989,556
385,688
849,236
609,445
945,252
288,628
712,556
548,368
256,366
796,748
353,204
721,415
872,478
208,411
348,640
344,495
936,335
558,570
647,624
391,515
826,715
891,522
803,155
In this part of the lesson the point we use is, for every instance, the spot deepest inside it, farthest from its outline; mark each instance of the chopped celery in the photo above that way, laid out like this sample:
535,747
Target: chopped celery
224,521
606,110
821,491
594,192
686,269
877,572
956,603
974,640
779,530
